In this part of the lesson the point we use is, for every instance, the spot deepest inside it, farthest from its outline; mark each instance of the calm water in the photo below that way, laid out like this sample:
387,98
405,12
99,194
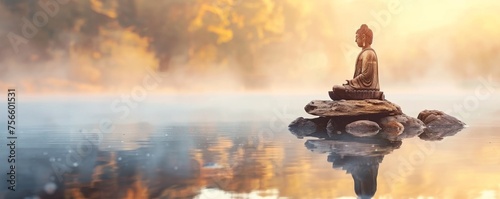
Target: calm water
235,146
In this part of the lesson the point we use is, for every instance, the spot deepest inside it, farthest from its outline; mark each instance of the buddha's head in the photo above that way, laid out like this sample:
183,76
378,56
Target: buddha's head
364,36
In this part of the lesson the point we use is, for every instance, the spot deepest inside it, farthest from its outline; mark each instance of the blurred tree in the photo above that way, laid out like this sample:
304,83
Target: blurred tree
199,35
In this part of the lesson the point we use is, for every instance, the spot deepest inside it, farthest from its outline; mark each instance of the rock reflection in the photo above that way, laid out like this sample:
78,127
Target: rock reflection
392,128
359,144
359,157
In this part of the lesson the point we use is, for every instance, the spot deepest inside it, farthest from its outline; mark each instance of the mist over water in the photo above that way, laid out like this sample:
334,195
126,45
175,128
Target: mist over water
193,98
279,108
236,46
225,146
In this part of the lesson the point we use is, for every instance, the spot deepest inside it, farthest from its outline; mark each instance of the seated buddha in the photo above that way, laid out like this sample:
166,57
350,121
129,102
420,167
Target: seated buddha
365,84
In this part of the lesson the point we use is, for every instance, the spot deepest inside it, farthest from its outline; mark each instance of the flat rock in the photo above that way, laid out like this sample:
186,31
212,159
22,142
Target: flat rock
362,128
329,108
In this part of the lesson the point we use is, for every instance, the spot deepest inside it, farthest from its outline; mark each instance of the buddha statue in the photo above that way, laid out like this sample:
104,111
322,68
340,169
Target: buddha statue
365,84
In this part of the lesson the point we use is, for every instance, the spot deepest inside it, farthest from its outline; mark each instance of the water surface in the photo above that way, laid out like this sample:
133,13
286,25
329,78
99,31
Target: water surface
238,146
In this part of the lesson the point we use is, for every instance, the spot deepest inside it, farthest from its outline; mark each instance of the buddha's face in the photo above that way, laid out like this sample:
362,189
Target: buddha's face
360,40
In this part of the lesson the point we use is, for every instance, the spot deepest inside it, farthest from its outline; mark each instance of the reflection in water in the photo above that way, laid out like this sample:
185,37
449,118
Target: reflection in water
364,171
117,167
361,156
175,162
438,133
184,161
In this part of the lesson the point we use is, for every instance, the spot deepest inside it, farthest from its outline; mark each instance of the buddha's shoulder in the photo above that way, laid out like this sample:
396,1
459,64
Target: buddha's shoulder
369,53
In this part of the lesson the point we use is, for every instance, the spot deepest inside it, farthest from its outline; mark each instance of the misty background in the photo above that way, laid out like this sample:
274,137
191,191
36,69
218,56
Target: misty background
99,46
232,76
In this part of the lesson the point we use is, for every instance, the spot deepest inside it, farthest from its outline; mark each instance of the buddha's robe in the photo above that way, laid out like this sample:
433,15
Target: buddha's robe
366,73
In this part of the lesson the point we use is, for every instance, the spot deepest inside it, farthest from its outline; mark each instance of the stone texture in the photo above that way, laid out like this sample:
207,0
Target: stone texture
302,127
400,127
363,128
435,118
439,125
329,108
435,126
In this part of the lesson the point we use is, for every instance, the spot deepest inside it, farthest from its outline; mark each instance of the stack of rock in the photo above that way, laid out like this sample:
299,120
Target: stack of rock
372,118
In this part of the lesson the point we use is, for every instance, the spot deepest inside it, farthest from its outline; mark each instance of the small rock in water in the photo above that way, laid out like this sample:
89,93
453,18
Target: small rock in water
301,127
439,125
362,128
436,118
400,127
391,130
